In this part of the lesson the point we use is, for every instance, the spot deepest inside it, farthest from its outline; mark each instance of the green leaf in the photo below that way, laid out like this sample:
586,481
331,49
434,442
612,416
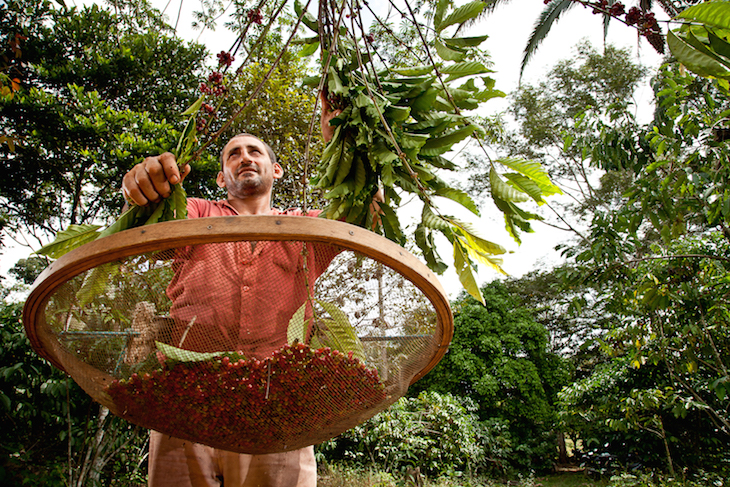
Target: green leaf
504,191
465,41
696,61
344,164
448,140
535,172
718,44
311,81
448,54
715,14
334,83
413,71
465,272
424,101
297,331
430,220
158,210
474,240
382,154
127,220
525,185
360,175
461,15
515,217
397,114
96,282
195,107
391,224
424,241
340,333
182,355
467,68
67,240
695,42
308,49
440,10
489,260
186,141
179,202
442,163
412,141
307,18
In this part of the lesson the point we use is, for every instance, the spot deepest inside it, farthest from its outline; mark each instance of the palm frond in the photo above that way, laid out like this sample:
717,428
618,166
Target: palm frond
548,17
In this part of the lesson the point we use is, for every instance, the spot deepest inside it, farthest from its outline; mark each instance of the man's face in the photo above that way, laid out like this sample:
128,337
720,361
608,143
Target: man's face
247,168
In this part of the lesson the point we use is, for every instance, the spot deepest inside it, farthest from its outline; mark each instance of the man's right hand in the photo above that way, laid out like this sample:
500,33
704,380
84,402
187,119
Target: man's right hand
151,180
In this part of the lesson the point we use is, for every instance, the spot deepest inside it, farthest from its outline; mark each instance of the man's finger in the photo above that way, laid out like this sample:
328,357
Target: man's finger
169,165
185,171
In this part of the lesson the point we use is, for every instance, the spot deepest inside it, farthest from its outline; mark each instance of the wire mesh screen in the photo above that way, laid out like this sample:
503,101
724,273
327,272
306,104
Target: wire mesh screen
253,347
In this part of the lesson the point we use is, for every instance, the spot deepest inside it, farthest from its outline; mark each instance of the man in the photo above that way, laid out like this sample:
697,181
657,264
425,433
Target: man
217,274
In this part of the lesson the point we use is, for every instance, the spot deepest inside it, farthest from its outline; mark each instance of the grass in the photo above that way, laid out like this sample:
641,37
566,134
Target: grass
338,476
569,480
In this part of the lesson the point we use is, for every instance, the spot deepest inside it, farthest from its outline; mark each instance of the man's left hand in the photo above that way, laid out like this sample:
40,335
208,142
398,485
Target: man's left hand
328,131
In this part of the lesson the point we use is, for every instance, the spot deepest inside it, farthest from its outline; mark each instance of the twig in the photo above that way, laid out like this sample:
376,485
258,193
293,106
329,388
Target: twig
185,333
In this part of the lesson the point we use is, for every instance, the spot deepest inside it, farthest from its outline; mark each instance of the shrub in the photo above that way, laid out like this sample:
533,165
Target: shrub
439,433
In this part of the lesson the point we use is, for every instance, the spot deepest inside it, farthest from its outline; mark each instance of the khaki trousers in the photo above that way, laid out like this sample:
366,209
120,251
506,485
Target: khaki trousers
180,463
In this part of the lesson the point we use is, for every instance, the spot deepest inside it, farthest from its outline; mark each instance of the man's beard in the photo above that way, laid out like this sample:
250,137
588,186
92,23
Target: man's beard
247,186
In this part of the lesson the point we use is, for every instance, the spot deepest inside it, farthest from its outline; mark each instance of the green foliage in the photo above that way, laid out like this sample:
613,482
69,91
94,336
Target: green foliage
26,270
46,415
498,358
653,264
97,90
683,190
577,124
438,433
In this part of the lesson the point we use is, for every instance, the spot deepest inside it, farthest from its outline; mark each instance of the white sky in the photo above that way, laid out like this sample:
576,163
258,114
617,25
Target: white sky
509,28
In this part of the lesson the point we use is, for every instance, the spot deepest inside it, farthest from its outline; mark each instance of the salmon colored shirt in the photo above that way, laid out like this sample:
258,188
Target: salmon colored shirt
241,296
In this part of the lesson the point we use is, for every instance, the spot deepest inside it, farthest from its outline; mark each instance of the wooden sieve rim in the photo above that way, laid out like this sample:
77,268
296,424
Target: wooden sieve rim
168,235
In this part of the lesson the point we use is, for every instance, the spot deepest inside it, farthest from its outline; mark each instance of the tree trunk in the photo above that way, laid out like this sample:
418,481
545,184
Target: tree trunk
562,449
666,447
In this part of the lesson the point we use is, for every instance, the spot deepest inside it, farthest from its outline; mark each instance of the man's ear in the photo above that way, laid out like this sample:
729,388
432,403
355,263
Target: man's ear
278,171
219,180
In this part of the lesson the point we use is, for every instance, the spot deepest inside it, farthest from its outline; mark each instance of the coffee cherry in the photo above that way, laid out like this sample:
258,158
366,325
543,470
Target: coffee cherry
253,405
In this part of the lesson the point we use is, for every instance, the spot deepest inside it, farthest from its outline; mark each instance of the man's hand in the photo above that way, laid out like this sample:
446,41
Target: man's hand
151,180
328,114
375,210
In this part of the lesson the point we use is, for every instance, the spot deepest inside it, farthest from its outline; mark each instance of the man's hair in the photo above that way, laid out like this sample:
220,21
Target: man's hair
269,150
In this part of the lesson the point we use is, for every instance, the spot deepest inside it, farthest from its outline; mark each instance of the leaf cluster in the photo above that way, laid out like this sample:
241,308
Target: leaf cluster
393,134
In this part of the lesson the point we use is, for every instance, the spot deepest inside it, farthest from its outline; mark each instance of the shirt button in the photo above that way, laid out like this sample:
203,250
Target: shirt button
245,288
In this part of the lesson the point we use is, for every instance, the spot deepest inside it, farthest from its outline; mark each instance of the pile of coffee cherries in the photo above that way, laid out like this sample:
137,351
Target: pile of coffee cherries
248,404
